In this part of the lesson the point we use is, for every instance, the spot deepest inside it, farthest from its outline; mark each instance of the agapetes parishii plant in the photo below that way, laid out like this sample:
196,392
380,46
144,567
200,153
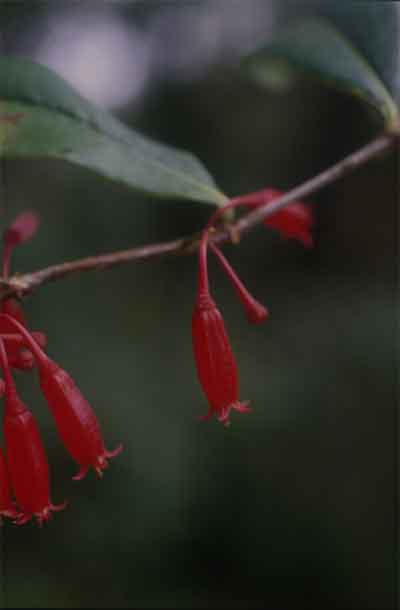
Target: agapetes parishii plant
78,132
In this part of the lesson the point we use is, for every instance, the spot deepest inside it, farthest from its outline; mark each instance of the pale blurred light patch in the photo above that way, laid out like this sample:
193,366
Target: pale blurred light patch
111,61
98,54
188,39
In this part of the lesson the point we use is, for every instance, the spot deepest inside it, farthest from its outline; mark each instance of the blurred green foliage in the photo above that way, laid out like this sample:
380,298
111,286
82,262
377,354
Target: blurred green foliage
292,507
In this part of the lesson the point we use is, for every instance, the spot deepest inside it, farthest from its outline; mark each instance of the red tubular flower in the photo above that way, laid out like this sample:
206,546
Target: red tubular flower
255,311
76,422
216,366
295,220
28,466
215,362
7,506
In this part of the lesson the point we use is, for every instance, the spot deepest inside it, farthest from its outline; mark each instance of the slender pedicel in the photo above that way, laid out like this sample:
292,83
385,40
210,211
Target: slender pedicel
255,311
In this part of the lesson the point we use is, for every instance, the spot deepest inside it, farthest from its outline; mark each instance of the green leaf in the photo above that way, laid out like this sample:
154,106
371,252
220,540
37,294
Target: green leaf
43,116
372,27
313,45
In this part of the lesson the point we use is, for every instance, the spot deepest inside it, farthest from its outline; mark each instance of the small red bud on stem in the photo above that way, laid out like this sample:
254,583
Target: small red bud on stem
255,311
21,230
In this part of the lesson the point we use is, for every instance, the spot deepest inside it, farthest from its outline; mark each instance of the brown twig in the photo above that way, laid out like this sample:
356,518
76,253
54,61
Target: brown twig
22,284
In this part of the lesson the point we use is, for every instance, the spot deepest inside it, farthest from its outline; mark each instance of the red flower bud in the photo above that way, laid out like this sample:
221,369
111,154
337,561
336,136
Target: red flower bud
255,311
216,366
7,506
28,466
295,220
21,230
76,422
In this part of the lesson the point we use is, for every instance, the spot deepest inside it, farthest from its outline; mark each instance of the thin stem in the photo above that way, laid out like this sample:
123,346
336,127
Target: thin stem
255,311
9,381
21,284
29,340
203,283
350,163
16,340
233,203
7,251
234,278
203,271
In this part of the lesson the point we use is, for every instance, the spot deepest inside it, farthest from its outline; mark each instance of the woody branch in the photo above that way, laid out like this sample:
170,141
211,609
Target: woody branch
25,283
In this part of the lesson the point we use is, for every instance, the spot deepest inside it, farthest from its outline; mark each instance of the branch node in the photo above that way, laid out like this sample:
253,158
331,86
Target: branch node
22,284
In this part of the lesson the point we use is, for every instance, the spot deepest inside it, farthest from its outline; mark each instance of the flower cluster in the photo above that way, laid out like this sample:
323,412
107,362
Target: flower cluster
215,362
24,468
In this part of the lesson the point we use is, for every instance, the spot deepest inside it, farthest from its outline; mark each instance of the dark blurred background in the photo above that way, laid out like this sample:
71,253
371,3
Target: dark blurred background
293,506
